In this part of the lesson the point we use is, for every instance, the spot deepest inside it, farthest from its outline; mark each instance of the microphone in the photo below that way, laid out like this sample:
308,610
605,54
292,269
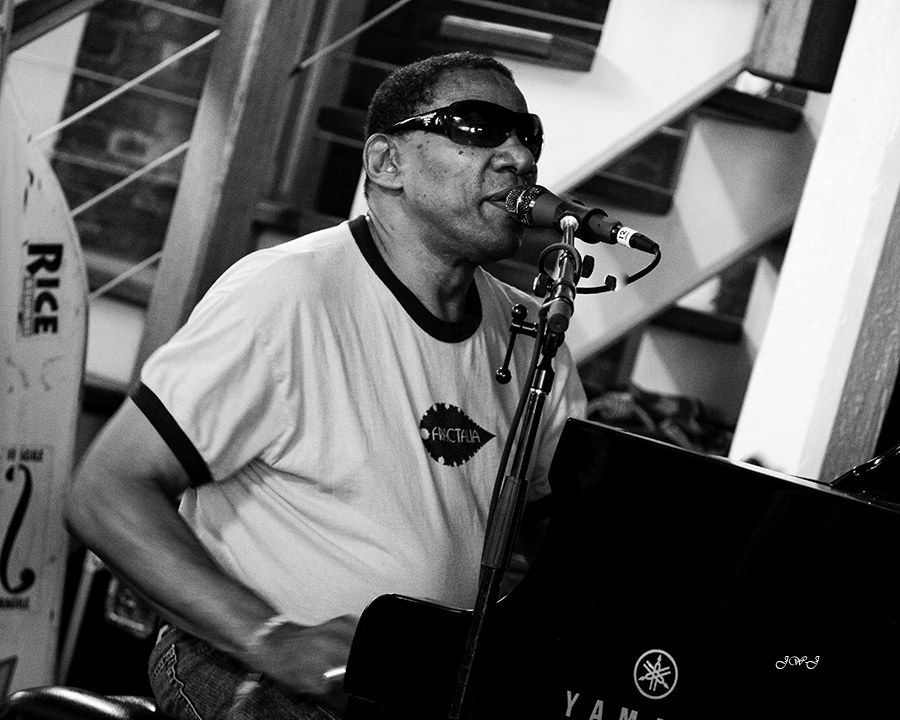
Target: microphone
536,206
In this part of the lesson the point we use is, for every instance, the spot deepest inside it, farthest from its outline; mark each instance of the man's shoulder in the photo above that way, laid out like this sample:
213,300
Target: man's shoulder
295,262
323,240
306,248
272,281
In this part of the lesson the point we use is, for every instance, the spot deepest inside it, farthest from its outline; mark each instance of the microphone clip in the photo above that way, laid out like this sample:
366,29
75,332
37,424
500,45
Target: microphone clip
561,290
544,279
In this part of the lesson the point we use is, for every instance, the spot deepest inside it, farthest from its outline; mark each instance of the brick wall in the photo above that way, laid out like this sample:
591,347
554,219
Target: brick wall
122,39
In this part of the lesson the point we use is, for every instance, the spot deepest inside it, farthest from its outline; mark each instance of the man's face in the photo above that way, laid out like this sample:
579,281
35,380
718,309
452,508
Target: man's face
454,194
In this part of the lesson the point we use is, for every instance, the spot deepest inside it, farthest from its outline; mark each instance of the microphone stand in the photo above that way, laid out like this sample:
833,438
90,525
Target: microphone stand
511,490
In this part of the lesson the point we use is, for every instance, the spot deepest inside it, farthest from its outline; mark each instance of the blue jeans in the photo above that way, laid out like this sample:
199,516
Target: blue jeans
193,681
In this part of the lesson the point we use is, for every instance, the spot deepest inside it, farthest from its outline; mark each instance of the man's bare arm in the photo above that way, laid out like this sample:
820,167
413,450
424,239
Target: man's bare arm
122,503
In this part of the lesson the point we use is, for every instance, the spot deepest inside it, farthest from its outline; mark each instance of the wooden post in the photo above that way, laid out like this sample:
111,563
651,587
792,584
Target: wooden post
829,358
6,19
799,42
235,131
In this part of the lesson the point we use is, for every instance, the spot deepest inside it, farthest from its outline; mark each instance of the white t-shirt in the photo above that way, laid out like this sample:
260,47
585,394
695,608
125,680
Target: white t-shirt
352,437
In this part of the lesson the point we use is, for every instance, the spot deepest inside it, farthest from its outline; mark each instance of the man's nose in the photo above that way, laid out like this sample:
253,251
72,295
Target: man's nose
513,154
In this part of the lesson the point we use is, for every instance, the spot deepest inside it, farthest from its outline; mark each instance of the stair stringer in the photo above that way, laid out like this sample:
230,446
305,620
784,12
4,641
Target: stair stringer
740,187
656,60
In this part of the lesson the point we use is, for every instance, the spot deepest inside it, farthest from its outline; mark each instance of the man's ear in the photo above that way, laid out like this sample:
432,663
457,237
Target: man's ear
380,161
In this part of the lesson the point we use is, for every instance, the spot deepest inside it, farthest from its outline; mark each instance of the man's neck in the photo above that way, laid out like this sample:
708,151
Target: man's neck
440,285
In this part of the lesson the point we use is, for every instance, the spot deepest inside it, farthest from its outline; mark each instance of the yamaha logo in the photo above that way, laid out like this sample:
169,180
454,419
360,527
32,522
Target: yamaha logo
655,674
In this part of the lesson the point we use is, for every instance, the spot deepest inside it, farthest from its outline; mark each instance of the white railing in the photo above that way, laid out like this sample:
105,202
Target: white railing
136,83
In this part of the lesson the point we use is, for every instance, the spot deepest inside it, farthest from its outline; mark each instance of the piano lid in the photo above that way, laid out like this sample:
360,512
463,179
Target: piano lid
673,585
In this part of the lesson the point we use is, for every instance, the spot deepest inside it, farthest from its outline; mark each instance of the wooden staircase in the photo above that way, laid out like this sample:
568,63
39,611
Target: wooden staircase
661,76
663,140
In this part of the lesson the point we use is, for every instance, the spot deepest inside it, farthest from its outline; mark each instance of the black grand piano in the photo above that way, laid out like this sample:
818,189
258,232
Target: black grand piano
669,585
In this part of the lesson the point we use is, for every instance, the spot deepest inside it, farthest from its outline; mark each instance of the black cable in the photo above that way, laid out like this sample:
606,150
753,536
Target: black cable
594,289
640,273
610,280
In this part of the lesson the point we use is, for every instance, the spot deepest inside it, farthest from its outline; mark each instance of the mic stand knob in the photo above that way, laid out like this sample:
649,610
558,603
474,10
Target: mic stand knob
517,326
587,266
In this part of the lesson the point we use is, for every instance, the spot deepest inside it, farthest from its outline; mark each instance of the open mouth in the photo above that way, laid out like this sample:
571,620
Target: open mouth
499,198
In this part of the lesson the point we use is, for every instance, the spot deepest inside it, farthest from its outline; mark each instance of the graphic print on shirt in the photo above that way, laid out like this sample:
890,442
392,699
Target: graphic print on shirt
450,436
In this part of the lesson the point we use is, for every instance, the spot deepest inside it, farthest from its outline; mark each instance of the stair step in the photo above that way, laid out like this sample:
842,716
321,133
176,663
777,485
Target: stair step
700,324
290,219
765,111
343,121
627,193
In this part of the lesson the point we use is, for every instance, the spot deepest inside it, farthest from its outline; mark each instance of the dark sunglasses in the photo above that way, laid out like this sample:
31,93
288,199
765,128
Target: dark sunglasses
478,123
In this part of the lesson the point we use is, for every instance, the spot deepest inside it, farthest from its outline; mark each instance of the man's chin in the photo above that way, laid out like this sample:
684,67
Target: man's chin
503,250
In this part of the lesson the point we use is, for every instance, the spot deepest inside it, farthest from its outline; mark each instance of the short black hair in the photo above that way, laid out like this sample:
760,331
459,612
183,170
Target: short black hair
408,88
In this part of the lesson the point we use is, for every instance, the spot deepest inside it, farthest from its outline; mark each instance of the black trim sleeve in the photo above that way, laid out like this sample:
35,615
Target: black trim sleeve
180,444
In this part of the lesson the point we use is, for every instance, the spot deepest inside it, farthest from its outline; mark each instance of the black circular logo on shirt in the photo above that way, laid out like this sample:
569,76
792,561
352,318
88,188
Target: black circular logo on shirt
450,436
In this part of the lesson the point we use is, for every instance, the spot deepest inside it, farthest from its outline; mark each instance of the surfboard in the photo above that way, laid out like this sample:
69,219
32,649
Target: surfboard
43,330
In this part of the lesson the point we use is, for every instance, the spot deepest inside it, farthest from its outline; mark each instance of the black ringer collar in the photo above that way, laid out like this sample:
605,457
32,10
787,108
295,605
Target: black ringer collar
439,329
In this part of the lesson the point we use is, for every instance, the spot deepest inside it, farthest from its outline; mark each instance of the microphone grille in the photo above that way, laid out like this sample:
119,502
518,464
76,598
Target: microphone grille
520,202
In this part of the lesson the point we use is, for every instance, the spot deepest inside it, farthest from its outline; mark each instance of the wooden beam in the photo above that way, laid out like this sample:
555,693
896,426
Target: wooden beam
303,154
873,367
6,21
799,42
236,128
829,357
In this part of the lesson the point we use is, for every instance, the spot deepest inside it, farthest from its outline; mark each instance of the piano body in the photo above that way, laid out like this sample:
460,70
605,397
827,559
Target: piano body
669,585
